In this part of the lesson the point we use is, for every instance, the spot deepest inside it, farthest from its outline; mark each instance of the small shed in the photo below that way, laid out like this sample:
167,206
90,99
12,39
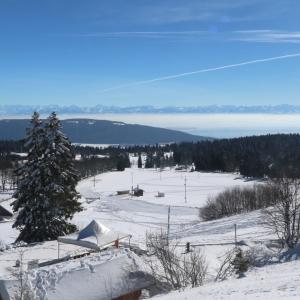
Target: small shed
137,192
160,194
124,192
5,214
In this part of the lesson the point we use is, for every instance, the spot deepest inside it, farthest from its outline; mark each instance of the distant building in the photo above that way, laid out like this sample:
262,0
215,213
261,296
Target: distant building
124,192
137,192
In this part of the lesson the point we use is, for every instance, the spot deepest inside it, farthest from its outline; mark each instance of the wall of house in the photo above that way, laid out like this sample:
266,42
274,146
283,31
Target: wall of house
132,296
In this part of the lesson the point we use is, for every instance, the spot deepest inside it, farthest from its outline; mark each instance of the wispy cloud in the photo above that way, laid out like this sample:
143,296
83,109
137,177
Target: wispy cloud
213,69
267,36
195,10
256,36
157,12
146,34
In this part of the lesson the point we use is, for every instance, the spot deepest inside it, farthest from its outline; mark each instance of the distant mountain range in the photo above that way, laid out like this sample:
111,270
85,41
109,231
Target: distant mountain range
88,131
101,109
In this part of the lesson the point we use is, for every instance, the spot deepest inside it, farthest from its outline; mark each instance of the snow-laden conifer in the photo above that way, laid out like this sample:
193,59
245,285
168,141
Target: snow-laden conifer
61,179
30,199
46,197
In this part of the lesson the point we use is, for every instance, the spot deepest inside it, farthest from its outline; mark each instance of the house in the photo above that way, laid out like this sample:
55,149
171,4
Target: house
82,271
114,274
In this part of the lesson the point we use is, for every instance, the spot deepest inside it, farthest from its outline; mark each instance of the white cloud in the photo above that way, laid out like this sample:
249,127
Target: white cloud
255,36
267,36
203,10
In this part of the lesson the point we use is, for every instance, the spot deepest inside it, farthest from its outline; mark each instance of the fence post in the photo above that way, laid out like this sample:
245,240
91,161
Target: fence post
188,247
235,236
168,228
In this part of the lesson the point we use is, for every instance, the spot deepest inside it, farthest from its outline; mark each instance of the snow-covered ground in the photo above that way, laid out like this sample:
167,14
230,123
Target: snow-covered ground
272,282
138,215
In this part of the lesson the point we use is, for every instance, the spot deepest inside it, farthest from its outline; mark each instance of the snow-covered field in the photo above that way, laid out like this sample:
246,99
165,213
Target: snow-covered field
138,215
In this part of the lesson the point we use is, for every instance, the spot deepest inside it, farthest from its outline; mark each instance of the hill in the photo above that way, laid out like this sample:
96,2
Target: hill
90,131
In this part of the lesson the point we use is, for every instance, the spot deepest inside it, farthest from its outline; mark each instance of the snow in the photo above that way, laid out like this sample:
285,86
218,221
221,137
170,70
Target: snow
199,185
21,154
139,215
99,276
277,281
119,124
102,146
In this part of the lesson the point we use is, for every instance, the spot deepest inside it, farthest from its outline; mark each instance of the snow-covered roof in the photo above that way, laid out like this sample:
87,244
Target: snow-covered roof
89,194
106,275
95,236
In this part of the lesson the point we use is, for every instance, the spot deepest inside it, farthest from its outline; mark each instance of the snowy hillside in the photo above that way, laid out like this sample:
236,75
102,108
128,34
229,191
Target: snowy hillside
273,282
138,215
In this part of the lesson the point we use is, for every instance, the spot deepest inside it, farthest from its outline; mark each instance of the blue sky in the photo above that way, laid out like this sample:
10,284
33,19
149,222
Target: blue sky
70,52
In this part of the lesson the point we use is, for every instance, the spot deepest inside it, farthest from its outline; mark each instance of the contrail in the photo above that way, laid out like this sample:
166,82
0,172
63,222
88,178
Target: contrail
250,62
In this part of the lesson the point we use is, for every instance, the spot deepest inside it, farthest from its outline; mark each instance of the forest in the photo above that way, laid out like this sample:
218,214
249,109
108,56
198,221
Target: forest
272,156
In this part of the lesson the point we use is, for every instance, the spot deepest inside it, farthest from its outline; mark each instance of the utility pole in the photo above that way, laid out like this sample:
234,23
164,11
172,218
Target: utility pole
168,230
94,180
185,200
131,184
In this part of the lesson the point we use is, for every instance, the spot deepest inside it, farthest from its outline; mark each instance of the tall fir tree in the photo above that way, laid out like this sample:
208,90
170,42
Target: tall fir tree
46,197
62,178
29,194
149,161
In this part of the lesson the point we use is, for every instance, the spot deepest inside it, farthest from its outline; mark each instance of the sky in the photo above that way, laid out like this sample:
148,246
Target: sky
109,51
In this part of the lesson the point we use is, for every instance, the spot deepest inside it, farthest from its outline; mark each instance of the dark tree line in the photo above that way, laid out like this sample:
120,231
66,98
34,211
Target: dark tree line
114,158
7,147
257,156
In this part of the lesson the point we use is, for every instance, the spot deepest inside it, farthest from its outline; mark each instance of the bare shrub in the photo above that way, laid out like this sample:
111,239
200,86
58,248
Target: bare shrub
170,265
24,291
284,217
237,200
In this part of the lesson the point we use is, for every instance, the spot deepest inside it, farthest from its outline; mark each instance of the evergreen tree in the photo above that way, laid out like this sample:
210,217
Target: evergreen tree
62,178
46,197
29,196
123,162
149,161
140,164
